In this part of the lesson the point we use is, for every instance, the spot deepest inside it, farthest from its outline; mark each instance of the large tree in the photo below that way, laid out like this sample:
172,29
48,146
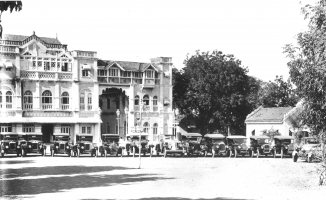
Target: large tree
213,90
277,93
11,5
307,68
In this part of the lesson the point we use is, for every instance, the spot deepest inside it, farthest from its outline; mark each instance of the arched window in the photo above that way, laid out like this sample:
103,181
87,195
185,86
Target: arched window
145,127
8,100
146,100
89,101
65,101
28,100
82,101
0,99
136,100
46,100
155,106
65,98
155,126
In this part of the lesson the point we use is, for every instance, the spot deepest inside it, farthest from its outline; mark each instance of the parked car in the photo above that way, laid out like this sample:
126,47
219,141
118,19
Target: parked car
111,146
191,142
173,147
216,144
61,145
259,145
282,145
134,144
236,145
34,144
310,151
84,145
11,143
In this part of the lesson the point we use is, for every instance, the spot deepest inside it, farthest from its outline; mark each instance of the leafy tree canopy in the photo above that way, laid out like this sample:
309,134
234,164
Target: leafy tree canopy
213,89
279,93
11,5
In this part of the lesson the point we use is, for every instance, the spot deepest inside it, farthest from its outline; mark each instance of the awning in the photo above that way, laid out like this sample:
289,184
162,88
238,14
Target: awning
8,64
86,67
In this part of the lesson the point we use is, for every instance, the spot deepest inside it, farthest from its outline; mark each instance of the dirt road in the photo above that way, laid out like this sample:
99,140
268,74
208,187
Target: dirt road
159,178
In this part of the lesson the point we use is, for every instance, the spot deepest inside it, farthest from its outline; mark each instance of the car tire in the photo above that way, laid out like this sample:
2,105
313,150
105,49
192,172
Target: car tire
23,152
228,153
274,153
44,153
69,154
205,153
78,153
282,153
164,153
258,153
3,154
133,152
309,159
235,153
105,153
52,153
213,154
251,154
295,158
17,154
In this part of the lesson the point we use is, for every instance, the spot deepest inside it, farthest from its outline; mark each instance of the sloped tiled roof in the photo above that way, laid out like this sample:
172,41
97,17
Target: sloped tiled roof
22,37
126,65
268,114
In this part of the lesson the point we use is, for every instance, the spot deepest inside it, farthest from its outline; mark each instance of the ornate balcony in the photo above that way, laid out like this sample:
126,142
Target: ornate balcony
55,76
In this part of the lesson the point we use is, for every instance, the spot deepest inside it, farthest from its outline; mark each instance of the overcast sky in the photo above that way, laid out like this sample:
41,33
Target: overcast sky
253,30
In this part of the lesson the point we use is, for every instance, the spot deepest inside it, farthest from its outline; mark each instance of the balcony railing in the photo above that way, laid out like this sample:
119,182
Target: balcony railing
28,106
47,106
65,107
46,75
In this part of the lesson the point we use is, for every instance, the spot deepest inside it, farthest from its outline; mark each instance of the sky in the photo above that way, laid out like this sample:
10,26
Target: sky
254,31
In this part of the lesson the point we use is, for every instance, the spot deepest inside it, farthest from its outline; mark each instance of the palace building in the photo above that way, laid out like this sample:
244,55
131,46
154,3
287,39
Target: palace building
44,88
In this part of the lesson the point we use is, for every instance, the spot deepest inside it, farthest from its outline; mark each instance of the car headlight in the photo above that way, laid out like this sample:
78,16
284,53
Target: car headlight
67,147
56,147
7,147
29,146
261,147
18,147
286,147
82,147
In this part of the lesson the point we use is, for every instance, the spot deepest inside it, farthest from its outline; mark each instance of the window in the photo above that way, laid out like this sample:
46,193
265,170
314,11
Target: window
137,100
28,100
46,66
64,67
155,126
89,101
5,128
28,128
125,74
8,100
108,128
102,72
0,99
82,98
46,100
86,130
65,98
85,73
137,74
156,75
113,72
65,128
149,74
146,100
108,104
145,127
155,101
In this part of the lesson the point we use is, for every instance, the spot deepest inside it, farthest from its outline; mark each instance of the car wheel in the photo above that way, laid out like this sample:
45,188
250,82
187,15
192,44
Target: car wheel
78,153
282,153
213,152
17,154
251,154
52,153
295,158
22,154
164,153
309,159
205,153
69,154
274,154
258,153
44,153
105,153
235,153
133,152
228,153
3,154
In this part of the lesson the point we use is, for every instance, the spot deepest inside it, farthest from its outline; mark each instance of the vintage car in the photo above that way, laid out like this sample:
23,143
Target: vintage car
133,138
11,143
215,144
173,146
84,145
34,144
282,145
236,145
191,142
61,145
309,151
111,146
259,145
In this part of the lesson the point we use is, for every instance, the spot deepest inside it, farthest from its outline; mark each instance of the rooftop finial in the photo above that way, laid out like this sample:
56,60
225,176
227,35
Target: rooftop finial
33,32
56,35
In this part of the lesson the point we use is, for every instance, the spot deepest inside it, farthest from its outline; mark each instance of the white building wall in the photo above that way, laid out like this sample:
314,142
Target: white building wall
259,127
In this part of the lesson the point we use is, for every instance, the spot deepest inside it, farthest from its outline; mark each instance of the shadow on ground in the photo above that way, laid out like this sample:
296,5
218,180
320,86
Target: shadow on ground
80,179
12,162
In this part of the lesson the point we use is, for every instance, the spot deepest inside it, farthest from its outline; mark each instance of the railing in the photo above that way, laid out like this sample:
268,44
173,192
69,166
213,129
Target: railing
102,79
47,106
46,75
125,80
8,105
65,76
113,80
8,49
28,106
65,107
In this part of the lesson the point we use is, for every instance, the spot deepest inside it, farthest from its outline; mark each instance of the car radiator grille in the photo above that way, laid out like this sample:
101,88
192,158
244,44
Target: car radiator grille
87,147
222,147
266,147
12,146
61,146
34,146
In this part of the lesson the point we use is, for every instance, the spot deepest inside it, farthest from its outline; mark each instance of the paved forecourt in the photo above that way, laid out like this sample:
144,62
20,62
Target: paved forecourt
160,178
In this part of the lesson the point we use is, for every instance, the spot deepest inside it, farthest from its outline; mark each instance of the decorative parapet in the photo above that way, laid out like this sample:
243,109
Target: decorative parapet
47,114
55,76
